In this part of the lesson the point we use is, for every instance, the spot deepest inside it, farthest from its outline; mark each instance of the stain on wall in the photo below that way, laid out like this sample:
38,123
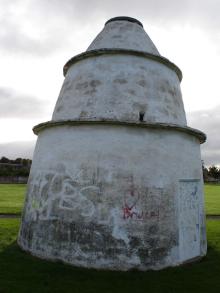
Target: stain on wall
71,216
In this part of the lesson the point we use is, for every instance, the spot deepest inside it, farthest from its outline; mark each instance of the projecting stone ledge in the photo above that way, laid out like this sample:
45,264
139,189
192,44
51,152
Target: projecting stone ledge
163,126
114,51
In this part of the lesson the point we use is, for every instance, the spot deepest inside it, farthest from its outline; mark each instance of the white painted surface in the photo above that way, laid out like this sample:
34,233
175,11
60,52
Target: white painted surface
189,215
124,35
111,196
119,87
124,183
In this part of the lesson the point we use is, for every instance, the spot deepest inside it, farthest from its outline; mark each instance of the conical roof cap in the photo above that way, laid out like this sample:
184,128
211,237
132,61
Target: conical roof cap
124,33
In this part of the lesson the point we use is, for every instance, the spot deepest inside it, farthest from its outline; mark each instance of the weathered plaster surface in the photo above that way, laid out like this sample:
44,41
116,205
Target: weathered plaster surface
124,34
116,180
121,87
139,124
99,52
111,197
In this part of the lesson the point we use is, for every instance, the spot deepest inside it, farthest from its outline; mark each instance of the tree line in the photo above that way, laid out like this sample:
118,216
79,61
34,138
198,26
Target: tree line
17,167
211,174
21,167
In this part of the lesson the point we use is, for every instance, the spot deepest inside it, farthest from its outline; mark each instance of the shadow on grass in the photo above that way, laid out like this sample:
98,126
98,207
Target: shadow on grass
21,272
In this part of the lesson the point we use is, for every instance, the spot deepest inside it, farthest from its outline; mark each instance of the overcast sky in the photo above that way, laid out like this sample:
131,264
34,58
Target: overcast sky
37,37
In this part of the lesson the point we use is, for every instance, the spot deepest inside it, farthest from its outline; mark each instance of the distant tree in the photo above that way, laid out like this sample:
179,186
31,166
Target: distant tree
25,162
214,172
205,172
18,160
4,160
17,167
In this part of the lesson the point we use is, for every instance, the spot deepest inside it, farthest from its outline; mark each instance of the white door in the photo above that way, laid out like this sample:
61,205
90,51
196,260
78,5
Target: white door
189,228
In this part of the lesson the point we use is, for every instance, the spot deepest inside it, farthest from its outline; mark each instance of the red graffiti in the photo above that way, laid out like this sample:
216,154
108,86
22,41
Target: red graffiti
132,213
133,210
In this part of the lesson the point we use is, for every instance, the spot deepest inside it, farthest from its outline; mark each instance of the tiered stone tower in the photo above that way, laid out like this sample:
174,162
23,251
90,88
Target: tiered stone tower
116,180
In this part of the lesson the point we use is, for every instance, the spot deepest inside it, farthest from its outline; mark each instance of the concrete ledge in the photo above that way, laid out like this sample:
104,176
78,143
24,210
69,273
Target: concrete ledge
124,18
100,52
194,132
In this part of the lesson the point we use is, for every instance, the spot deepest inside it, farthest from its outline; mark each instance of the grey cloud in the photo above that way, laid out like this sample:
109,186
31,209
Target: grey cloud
86,10
59,20
14,37
16,105
208,121
17,149
14,40
196,12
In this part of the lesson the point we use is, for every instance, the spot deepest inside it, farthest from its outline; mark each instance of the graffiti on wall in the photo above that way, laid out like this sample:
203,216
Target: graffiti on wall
132,211
141,203
49,192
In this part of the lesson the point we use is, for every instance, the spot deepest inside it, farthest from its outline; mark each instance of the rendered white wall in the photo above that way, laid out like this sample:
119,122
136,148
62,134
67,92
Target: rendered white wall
114,197
118,87
107,189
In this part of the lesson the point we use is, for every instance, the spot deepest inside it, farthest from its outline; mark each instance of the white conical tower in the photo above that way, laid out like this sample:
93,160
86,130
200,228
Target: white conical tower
124,33
116,180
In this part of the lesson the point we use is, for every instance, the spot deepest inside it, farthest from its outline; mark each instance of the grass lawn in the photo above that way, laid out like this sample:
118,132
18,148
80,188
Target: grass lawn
212,199
11,198
20,272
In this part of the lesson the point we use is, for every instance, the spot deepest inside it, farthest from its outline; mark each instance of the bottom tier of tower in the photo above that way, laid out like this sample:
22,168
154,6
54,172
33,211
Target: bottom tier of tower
115,197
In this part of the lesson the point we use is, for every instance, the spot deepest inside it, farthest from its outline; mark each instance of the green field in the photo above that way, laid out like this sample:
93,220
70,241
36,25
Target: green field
12,198
212,199
20,272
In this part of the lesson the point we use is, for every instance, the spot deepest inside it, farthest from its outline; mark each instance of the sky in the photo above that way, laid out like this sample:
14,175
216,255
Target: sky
37,37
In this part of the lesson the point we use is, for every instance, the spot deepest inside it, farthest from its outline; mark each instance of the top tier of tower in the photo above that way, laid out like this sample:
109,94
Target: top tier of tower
124,33
121,77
